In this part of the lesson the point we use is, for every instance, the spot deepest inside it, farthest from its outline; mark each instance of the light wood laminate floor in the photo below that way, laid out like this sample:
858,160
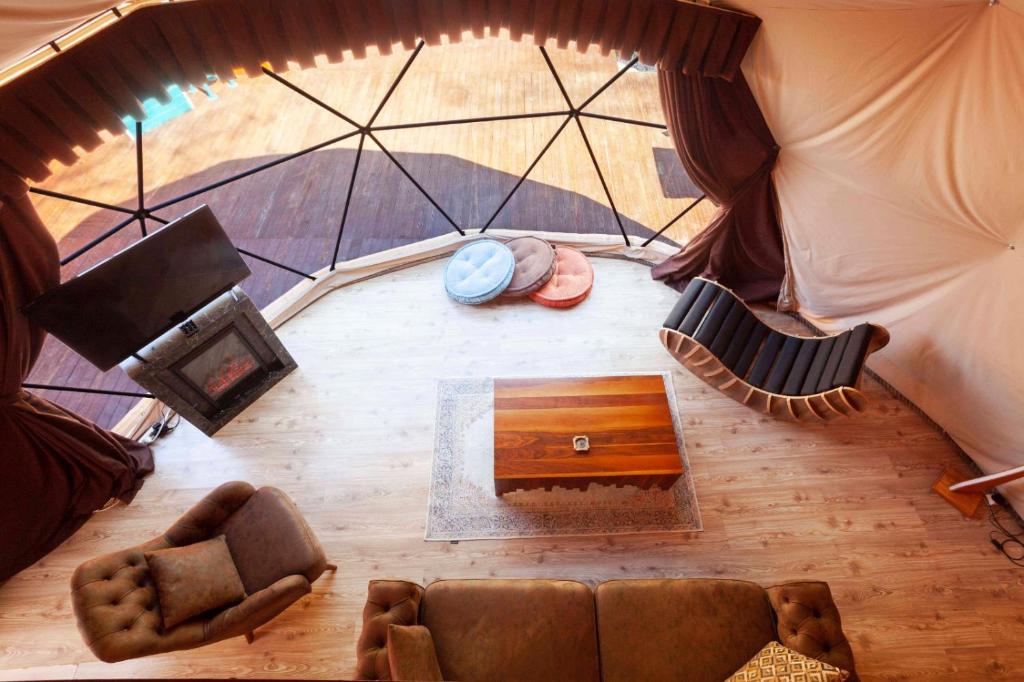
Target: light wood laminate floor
349,436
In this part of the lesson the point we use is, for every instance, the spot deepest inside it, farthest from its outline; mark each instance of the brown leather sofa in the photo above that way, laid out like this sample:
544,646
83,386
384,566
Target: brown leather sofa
697,630
275,551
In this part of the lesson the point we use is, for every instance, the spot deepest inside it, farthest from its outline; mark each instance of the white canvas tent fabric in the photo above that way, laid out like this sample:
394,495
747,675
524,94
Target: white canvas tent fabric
27,24
901,190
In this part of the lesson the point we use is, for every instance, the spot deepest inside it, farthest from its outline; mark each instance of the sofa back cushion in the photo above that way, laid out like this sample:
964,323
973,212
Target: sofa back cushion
695,630
514,630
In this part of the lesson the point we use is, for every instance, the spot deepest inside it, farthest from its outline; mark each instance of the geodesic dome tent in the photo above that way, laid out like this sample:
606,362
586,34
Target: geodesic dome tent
870,170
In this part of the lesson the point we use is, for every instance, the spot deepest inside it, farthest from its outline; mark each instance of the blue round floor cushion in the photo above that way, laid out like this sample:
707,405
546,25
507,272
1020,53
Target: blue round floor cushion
479,272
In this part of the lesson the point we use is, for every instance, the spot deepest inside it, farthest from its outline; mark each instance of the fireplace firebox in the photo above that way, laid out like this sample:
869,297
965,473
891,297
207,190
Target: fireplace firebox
214,364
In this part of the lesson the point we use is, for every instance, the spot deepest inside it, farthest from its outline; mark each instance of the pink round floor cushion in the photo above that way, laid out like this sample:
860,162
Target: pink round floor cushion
571,283
535,265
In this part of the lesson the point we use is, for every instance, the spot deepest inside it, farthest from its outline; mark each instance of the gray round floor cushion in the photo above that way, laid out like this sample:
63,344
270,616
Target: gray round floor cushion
535,265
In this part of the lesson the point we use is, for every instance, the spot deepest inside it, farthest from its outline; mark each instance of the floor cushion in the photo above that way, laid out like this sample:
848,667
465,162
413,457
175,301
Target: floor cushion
535,265
479,272
571,282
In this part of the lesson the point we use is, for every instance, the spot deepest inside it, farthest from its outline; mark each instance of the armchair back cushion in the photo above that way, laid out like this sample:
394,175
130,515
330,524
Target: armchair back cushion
694,629
194,579
513,630
269,540
201,521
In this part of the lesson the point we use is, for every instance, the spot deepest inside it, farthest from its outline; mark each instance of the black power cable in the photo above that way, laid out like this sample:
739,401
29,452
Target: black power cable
1009,543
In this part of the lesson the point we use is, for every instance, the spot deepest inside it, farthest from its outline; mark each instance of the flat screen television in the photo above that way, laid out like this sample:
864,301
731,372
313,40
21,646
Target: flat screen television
116,307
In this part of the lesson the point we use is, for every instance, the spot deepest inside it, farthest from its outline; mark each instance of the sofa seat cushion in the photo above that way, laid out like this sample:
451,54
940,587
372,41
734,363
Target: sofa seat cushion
513,630
194,579
571,283
478,272
694,629
535,265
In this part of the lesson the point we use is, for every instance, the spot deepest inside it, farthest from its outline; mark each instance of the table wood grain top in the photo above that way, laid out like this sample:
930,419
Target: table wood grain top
626,418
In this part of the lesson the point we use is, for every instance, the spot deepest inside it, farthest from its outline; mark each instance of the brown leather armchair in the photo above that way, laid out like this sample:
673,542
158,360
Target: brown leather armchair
275,551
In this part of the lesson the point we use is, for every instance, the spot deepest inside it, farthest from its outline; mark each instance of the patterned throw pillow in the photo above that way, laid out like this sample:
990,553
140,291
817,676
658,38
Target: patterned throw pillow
778,664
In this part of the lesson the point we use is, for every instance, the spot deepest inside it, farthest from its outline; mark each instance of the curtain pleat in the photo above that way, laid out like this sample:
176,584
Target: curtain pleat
718,50
589,23
518,18
566,21
729,152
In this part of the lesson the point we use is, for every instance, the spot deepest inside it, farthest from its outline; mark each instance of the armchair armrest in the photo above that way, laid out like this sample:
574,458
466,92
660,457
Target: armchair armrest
257,609
199,522
809,623
388,602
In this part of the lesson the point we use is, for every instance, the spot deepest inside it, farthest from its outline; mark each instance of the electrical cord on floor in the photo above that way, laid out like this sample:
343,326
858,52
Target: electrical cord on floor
1009,543
168,421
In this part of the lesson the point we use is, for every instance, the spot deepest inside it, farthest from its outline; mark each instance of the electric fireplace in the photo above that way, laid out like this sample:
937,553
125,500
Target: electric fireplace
215,364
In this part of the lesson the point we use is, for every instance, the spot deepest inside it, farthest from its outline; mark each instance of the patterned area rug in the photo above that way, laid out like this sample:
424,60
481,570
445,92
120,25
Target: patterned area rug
463,505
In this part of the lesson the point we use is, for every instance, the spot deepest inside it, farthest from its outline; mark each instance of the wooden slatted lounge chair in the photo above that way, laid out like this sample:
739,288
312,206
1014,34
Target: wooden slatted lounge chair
713,333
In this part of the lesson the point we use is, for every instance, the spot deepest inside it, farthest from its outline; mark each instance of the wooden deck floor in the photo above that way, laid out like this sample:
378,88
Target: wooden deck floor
291,213
350,434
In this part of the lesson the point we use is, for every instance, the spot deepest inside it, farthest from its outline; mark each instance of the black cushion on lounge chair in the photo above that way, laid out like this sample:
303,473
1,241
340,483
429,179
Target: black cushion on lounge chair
783,365
801,366
685,302
750,349
713,321
766,357
735,346
699,309
773,361
853,356
827,379
727,333
821,353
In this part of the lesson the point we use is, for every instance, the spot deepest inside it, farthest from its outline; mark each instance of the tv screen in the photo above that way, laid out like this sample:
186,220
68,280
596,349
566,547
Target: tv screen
116,307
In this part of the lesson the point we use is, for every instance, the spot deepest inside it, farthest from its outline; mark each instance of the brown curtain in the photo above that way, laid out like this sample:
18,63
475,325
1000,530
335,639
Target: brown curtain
55,467
729,152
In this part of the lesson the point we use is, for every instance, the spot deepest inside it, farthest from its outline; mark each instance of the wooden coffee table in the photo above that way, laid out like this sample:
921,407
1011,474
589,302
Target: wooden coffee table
625,418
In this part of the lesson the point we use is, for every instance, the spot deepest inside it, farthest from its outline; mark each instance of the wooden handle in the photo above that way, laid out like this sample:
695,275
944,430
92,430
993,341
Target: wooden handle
983,483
